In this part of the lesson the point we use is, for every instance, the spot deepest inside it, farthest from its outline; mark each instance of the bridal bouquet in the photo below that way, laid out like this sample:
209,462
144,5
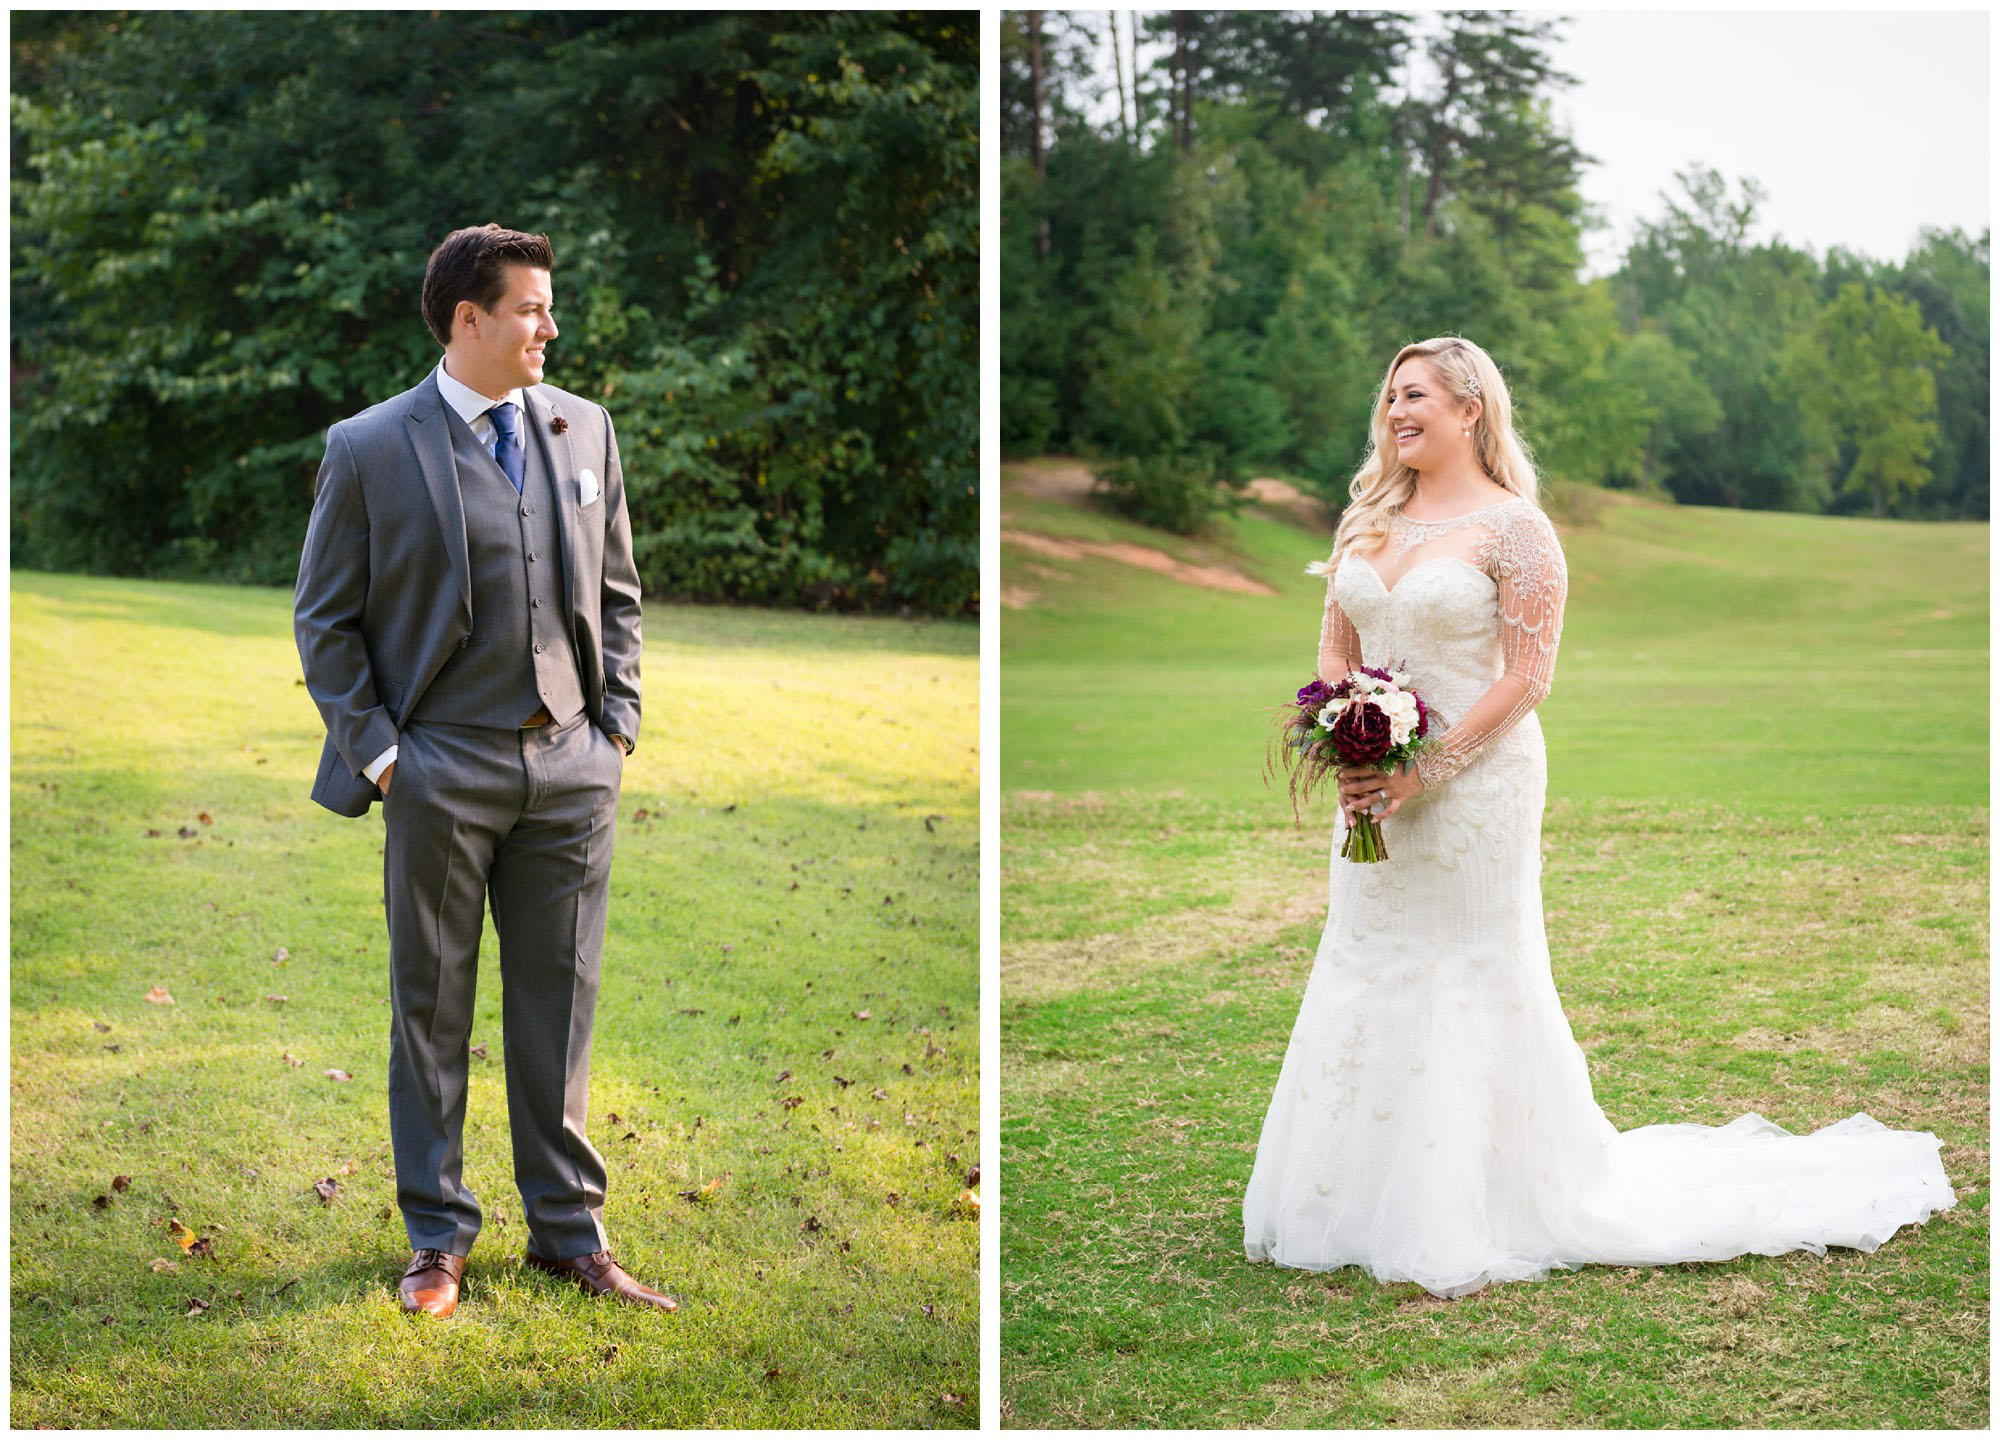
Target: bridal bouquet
1372,717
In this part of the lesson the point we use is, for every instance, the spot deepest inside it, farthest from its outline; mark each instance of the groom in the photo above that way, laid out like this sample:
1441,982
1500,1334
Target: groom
467,613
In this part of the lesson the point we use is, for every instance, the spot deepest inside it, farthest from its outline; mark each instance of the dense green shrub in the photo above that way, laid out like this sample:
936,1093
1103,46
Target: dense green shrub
1169,492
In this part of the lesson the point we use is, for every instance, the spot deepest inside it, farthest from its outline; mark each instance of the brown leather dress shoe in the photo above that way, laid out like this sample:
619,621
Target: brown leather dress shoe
430,1285
600,1274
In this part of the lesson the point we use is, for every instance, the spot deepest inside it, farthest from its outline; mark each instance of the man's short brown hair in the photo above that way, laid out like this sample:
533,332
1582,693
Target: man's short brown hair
470,265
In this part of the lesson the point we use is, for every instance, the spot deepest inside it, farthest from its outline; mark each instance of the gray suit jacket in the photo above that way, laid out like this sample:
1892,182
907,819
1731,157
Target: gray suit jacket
385,582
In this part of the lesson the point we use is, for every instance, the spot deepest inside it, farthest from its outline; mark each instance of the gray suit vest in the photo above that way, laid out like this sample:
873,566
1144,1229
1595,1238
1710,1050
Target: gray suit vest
519,657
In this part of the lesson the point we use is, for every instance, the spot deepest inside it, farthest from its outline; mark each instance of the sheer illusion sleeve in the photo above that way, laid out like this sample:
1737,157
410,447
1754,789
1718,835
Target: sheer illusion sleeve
1525,559
1339,641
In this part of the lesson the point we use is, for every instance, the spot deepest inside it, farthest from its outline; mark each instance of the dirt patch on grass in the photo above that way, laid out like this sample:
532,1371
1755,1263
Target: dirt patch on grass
1212,577
1052,477
1288,502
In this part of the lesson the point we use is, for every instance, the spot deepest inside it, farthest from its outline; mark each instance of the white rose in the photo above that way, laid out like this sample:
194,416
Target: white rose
1401,708
1331,713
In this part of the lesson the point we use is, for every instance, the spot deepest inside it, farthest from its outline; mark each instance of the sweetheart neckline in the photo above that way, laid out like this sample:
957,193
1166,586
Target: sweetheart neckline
1388,589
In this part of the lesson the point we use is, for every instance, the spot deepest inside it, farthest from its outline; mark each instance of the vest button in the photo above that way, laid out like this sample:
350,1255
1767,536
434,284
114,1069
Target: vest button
463,641
538,649
531,557
536,603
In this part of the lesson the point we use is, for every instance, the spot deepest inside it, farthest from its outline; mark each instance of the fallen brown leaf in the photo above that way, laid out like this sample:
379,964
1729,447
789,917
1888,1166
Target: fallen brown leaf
291,1059
326,1189
205,818
203,1249
860,1014
277,999
100,1027
159,996
163,1267
282,956
480,1050
878,1093
196,1305
783,1076
101,1202
121,1183
792,1102
338,1075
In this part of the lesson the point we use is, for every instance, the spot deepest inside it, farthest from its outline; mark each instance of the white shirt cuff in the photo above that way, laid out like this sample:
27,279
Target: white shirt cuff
373,770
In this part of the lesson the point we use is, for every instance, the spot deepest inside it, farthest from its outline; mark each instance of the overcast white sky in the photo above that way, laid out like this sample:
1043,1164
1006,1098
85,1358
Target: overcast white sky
1861,125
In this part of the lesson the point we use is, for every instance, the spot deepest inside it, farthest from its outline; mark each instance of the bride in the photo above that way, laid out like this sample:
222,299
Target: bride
1433,1120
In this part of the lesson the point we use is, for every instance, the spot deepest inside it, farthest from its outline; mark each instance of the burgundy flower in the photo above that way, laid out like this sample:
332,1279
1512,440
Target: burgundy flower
1361,734
558,424
1423,715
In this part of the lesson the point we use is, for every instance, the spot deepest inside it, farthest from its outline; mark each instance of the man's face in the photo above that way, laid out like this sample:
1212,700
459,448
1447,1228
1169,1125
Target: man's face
504,347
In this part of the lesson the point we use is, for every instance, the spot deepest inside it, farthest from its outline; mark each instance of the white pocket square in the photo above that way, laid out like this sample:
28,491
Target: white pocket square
587,487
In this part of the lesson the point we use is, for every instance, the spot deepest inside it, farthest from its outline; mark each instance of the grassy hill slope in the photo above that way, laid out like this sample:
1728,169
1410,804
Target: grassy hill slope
1770,643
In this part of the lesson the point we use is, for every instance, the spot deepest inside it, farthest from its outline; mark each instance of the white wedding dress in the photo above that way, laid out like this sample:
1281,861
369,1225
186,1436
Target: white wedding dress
1433,1120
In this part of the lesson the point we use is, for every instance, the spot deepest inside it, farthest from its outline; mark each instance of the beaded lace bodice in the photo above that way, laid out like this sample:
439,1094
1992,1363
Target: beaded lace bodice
1470,606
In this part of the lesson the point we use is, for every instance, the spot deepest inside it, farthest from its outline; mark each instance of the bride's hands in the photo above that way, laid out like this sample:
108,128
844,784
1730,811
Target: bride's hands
1363,787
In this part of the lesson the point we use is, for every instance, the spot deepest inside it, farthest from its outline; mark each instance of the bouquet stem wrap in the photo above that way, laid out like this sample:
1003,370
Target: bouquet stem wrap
1364,844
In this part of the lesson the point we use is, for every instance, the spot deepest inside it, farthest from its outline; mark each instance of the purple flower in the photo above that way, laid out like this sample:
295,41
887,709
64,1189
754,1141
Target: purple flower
1314,696
1423,716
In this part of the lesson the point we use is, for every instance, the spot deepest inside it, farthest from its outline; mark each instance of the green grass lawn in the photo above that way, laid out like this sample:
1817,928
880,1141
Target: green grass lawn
787,1031
1766,889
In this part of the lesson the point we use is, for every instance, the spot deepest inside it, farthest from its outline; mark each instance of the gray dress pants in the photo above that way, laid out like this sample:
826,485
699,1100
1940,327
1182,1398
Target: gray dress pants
523,818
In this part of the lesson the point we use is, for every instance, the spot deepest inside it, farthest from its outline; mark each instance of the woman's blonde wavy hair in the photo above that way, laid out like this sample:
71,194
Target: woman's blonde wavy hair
1384,484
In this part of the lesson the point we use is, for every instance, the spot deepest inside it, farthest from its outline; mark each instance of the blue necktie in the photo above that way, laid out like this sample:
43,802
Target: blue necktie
507,443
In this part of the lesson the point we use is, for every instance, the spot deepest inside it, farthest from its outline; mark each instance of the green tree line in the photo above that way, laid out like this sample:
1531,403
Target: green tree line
1207,284
766,237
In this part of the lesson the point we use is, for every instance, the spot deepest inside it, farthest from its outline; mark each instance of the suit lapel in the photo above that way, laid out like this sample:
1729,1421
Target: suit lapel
430,437
562,481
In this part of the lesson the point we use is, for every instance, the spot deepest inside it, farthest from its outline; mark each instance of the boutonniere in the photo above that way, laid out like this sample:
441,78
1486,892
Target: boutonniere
558,424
